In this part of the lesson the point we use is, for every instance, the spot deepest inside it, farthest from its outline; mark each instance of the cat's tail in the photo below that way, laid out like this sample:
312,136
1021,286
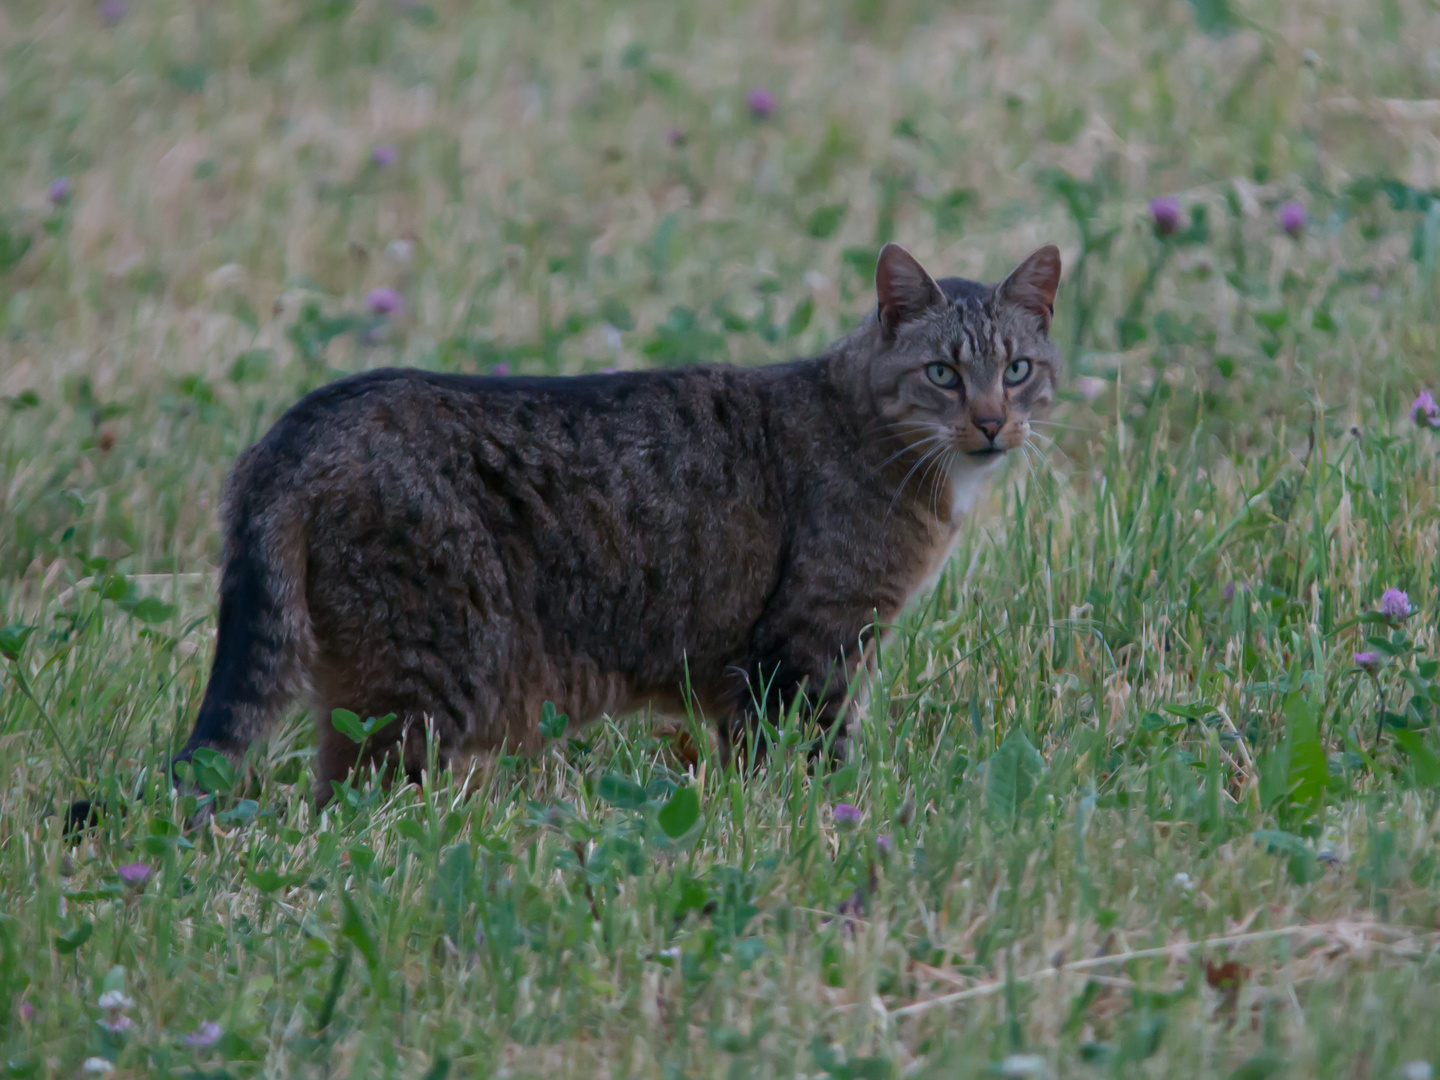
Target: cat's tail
265,641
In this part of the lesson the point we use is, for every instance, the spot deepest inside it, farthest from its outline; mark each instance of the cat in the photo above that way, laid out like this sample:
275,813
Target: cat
459,550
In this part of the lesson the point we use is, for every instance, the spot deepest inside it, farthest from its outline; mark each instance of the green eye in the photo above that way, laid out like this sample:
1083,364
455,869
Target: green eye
943,376
1017,372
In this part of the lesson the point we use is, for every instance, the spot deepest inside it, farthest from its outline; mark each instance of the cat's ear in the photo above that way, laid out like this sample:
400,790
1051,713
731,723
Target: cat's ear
903,287
1032,284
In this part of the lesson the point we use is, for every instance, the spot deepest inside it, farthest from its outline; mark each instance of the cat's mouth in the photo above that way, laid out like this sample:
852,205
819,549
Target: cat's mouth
987,453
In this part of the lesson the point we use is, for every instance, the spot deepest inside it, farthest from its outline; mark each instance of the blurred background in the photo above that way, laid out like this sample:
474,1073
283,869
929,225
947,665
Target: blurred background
1191,632
206,208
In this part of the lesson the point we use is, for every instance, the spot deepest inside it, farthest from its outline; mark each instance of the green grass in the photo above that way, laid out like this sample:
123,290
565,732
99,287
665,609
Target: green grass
1127,718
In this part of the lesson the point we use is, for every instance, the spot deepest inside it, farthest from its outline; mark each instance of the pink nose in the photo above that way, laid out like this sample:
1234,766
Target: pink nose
991,427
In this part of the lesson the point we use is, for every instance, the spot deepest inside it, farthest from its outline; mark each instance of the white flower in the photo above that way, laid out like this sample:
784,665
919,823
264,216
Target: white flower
1182,880
98,1066
115,999
1020,1065
1416,1070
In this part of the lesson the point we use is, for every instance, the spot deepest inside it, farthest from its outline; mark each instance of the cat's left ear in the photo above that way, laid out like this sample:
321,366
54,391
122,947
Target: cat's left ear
1033,283
904,288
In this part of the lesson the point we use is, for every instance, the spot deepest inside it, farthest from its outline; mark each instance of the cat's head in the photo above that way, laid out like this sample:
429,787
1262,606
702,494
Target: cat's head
961,366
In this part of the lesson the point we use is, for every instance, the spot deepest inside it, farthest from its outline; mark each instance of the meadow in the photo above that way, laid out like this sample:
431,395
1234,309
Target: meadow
1150,784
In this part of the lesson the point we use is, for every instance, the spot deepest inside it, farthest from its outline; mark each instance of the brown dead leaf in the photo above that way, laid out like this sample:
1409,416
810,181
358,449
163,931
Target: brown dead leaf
1228,978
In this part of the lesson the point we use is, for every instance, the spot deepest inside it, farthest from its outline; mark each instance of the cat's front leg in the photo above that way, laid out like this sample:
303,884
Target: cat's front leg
778,686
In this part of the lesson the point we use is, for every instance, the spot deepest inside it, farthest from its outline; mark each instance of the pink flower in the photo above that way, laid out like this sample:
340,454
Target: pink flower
883,843
27,1012
135,874
59,191
1370,661
112,11
1292,218
761,103
1165,212
1395,605
1424,410
385,301
675,136
384,155
207,1034
501,369
847,815
115,1002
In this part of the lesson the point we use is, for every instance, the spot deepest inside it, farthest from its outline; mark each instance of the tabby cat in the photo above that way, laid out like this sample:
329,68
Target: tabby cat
459,550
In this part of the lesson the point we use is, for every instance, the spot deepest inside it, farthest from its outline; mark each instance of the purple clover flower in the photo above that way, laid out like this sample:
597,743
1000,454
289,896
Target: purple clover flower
761,103
59,191
1395,605
847,815
1165,213
1292,218
135,874
112,11
501,369
1369,661
1424,410
384,155
884,844
27,1012
207,1034
384,301
675,136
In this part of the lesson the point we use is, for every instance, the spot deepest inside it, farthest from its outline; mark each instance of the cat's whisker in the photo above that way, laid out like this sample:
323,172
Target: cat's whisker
906,449
1032,453
901,488
1051,443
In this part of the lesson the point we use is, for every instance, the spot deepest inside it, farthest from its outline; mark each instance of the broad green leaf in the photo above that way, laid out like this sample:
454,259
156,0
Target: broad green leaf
800,317
213,771
678,816
552,722
376,723
1309,774
348,724
1010,776
842,780
151,610
267,881
13,638
73,938
621,792
1422,759
353,927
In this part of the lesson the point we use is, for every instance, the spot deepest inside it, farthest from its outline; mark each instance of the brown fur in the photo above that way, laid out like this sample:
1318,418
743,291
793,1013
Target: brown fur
460,550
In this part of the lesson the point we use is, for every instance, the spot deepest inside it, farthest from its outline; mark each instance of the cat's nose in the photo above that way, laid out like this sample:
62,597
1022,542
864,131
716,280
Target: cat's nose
990,426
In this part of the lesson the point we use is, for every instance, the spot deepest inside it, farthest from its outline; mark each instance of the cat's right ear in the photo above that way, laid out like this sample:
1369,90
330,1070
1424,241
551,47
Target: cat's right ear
904,289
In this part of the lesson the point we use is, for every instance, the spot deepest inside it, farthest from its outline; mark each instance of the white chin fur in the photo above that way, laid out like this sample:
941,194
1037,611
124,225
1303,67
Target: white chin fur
967,481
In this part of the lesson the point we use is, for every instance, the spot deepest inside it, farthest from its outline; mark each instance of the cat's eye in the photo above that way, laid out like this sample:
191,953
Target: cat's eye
943,376
1017,372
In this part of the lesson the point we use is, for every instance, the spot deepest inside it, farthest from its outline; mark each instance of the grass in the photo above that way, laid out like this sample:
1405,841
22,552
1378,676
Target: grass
1127,805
